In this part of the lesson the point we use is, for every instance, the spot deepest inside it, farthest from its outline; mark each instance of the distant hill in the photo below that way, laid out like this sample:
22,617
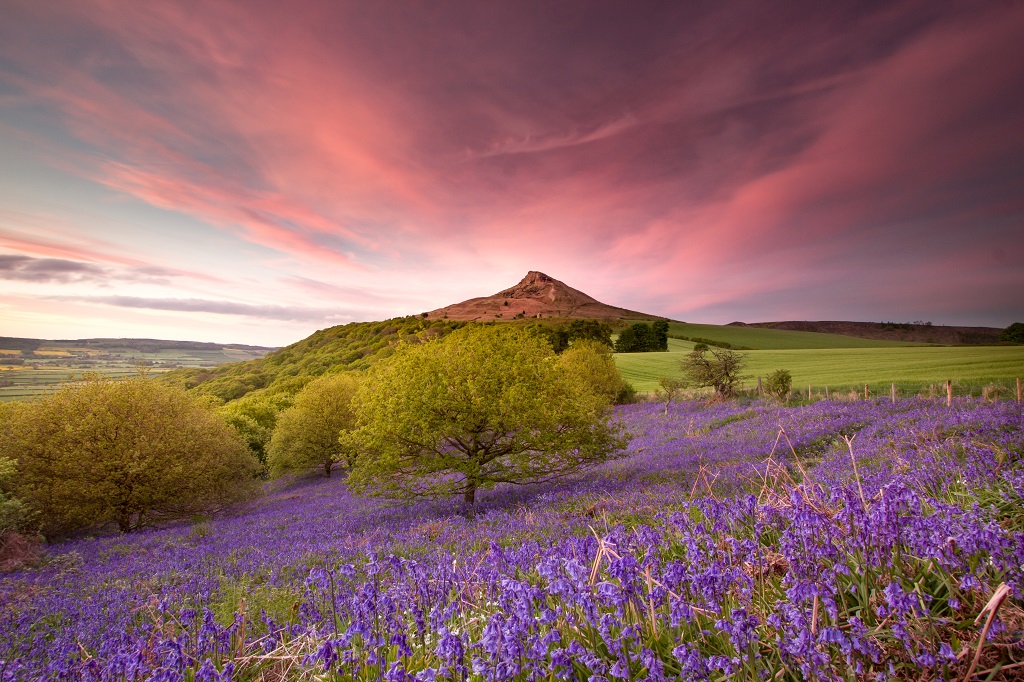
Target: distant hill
891,331
141,345
536,296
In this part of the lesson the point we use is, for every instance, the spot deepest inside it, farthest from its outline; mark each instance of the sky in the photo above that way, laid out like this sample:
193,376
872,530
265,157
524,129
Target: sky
252,171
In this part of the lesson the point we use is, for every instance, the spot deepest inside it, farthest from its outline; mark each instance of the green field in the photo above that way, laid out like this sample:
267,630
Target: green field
46,365
908,367
776,339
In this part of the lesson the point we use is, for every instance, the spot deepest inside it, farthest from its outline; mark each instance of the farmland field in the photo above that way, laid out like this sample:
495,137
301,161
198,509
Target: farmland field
713,550
910,367
28,372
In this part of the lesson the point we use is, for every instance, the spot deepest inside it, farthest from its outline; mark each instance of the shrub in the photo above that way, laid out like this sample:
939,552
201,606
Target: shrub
778,384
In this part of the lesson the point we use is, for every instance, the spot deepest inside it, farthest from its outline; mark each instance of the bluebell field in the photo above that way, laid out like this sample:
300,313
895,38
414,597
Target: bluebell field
741,541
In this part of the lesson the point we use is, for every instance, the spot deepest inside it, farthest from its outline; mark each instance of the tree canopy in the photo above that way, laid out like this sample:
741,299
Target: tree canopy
717,368
1014,333
131,452
643,338
485,405
307,433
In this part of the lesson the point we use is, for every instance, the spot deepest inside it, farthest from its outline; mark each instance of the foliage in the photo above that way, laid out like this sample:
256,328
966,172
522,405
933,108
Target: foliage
562,336
254,417
485,405
670,389
1014,333
592,363
307,433
354,346
131,452
718,369
643,338
778,384
16,518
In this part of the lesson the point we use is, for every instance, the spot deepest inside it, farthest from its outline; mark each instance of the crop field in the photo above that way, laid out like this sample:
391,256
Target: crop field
24,375
775,339
719,547
911,368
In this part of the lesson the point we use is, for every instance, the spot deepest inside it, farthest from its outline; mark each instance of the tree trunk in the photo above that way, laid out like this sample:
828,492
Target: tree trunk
469,493
327,468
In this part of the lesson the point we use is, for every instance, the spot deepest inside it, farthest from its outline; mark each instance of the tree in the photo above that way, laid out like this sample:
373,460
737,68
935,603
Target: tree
592,363
131,452
718,369
670,389
659,335
485,405
778,384
307,433
1014,333
254,417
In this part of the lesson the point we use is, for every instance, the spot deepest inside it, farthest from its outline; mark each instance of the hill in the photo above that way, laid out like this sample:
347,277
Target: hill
536,296
913,332
351,347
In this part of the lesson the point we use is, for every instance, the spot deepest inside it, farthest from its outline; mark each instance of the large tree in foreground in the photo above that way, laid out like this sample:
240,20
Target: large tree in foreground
130,452
485,405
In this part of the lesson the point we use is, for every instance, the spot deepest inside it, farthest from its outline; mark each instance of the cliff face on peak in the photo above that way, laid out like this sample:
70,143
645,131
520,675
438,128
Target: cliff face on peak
536,295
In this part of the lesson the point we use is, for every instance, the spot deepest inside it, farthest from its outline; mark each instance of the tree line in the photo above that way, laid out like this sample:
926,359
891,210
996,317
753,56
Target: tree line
480,406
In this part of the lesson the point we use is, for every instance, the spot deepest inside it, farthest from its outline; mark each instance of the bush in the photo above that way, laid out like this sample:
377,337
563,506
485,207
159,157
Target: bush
778,384
591,362
130,452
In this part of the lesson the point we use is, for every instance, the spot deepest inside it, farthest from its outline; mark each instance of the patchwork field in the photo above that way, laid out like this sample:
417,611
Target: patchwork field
910,367
29,367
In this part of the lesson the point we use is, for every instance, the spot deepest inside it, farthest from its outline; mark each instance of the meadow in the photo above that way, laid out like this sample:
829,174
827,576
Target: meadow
911,368
738,540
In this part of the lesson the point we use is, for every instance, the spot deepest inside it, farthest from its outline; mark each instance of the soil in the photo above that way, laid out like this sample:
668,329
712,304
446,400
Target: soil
536,296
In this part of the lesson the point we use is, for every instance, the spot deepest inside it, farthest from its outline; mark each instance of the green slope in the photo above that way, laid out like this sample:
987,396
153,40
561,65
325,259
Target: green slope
350,347
848,367
776,339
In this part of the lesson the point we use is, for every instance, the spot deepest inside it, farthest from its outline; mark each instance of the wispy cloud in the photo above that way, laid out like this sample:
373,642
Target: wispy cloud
198,305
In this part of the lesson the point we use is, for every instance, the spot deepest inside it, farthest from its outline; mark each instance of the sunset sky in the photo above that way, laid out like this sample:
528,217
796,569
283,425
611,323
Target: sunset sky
253,171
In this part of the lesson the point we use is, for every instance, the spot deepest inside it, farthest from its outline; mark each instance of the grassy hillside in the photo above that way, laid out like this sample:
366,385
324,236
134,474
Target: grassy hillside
350,347
848,367
775,339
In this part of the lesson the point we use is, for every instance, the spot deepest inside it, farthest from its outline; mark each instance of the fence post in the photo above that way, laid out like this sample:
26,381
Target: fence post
759,391
893,391
808,391
1020,396
865,391
826,393
949,392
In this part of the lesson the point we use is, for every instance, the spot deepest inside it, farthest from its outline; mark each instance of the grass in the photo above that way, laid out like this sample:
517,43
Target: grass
909,367
776,339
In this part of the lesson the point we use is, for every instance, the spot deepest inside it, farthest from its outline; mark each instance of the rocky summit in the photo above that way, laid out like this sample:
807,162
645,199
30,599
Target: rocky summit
537,295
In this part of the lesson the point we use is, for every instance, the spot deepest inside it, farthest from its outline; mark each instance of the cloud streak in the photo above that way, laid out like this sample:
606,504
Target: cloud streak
196,305
685,160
